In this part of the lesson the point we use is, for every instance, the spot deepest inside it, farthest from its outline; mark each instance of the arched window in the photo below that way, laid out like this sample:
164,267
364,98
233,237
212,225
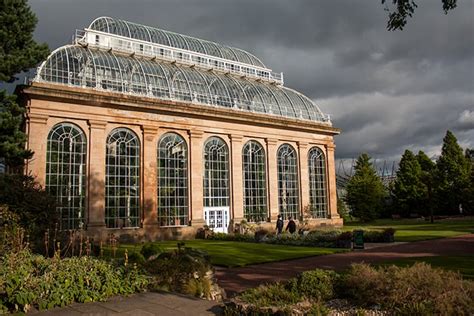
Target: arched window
172,181
65,173
317,183
255,191
122,179
287,181
216,173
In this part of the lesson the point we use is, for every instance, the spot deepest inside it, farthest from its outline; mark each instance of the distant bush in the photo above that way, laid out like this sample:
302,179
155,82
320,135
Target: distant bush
28,280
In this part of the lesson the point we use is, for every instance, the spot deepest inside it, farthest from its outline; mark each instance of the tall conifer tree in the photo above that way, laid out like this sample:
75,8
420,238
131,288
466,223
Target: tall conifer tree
365,190
408,188
452,176
18,52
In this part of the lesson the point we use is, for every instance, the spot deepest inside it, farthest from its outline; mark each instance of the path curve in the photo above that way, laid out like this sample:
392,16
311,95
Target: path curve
235,280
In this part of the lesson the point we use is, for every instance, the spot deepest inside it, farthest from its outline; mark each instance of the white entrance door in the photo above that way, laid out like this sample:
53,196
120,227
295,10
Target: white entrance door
217,218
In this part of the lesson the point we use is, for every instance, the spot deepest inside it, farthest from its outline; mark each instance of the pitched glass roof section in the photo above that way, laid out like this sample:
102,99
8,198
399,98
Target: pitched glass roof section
155,35
120,56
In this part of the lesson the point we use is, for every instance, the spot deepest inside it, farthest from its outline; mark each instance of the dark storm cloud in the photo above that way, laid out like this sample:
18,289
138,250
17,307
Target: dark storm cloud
387,91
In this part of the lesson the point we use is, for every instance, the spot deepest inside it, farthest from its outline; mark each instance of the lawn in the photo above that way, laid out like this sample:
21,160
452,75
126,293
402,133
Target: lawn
237,254
462,264
419,229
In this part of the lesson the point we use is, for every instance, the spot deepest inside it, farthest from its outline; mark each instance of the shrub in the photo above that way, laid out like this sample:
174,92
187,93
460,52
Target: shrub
260,234
150,249
415,290
315,285
28,280
136,257
184,270
276,294
36,210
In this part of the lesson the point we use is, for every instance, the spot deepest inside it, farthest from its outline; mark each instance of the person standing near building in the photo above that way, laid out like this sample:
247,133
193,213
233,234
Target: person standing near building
279,226
291,227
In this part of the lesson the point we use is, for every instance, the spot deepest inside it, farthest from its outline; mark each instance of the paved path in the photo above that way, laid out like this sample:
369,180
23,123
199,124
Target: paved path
143,304
235,280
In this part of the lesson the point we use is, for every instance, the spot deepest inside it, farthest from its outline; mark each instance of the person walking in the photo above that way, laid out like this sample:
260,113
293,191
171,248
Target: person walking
291,227
279,226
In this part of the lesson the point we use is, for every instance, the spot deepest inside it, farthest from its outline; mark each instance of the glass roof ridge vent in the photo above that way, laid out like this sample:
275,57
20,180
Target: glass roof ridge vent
148,42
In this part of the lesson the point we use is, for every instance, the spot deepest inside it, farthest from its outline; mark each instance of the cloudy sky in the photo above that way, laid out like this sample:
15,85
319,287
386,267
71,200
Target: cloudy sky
387,91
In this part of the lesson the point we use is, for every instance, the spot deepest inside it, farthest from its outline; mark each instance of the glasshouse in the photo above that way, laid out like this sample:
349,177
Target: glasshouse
146,132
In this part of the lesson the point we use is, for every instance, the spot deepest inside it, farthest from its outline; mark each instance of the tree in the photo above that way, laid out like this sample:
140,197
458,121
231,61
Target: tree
365,190
469,203
428,168
18,52
452,180
408,189
404,9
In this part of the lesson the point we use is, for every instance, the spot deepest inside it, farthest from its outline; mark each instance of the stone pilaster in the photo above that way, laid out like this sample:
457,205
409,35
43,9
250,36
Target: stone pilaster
332,195
196,181
237,184
96,183
150,192
272,178
37,142
303,175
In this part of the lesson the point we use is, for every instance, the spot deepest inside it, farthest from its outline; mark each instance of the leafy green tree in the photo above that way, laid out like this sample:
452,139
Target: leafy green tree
404,9
365,190
18,52
469,206
408,189
428,168
453,172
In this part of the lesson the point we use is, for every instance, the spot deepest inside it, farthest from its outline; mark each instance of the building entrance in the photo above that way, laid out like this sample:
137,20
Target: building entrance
217,218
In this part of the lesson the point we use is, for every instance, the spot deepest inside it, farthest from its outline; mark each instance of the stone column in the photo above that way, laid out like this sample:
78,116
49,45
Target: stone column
272,178
37,143
150,215
196,178
96,183
332,194
303,176
237,184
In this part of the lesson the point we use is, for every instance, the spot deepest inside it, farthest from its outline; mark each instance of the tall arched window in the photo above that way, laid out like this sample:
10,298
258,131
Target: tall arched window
216,173
287,181
255,191
317,183
65,173
122,179
172,181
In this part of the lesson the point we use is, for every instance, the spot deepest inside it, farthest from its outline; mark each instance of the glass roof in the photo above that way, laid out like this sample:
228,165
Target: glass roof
79,66
154,35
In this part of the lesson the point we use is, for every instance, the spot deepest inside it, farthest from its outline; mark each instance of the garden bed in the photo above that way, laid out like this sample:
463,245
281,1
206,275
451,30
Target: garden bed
362,290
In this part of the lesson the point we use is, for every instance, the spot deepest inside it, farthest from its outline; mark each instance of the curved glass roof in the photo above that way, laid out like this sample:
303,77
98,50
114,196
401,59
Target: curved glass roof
158,36
79,66
75,65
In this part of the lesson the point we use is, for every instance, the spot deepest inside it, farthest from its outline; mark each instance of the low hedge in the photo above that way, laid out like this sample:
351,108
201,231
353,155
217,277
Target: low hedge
416,290
316,238
28,280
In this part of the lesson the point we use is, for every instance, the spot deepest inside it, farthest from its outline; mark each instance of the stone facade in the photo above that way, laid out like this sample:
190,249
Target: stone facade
97,113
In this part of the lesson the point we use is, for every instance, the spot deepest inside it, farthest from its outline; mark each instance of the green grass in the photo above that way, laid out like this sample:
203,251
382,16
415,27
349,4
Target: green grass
418,229
237,254
461,264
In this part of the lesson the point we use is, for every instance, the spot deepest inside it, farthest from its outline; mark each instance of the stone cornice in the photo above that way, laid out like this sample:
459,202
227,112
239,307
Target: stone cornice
76,95
37,118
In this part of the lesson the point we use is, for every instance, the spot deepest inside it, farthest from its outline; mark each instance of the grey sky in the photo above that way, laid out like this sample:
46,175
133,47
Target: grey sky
387,91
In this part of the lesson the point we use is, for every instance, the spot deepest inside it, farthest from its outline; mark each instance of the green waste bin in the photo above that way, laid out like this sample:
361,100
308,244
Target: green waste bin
358,239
